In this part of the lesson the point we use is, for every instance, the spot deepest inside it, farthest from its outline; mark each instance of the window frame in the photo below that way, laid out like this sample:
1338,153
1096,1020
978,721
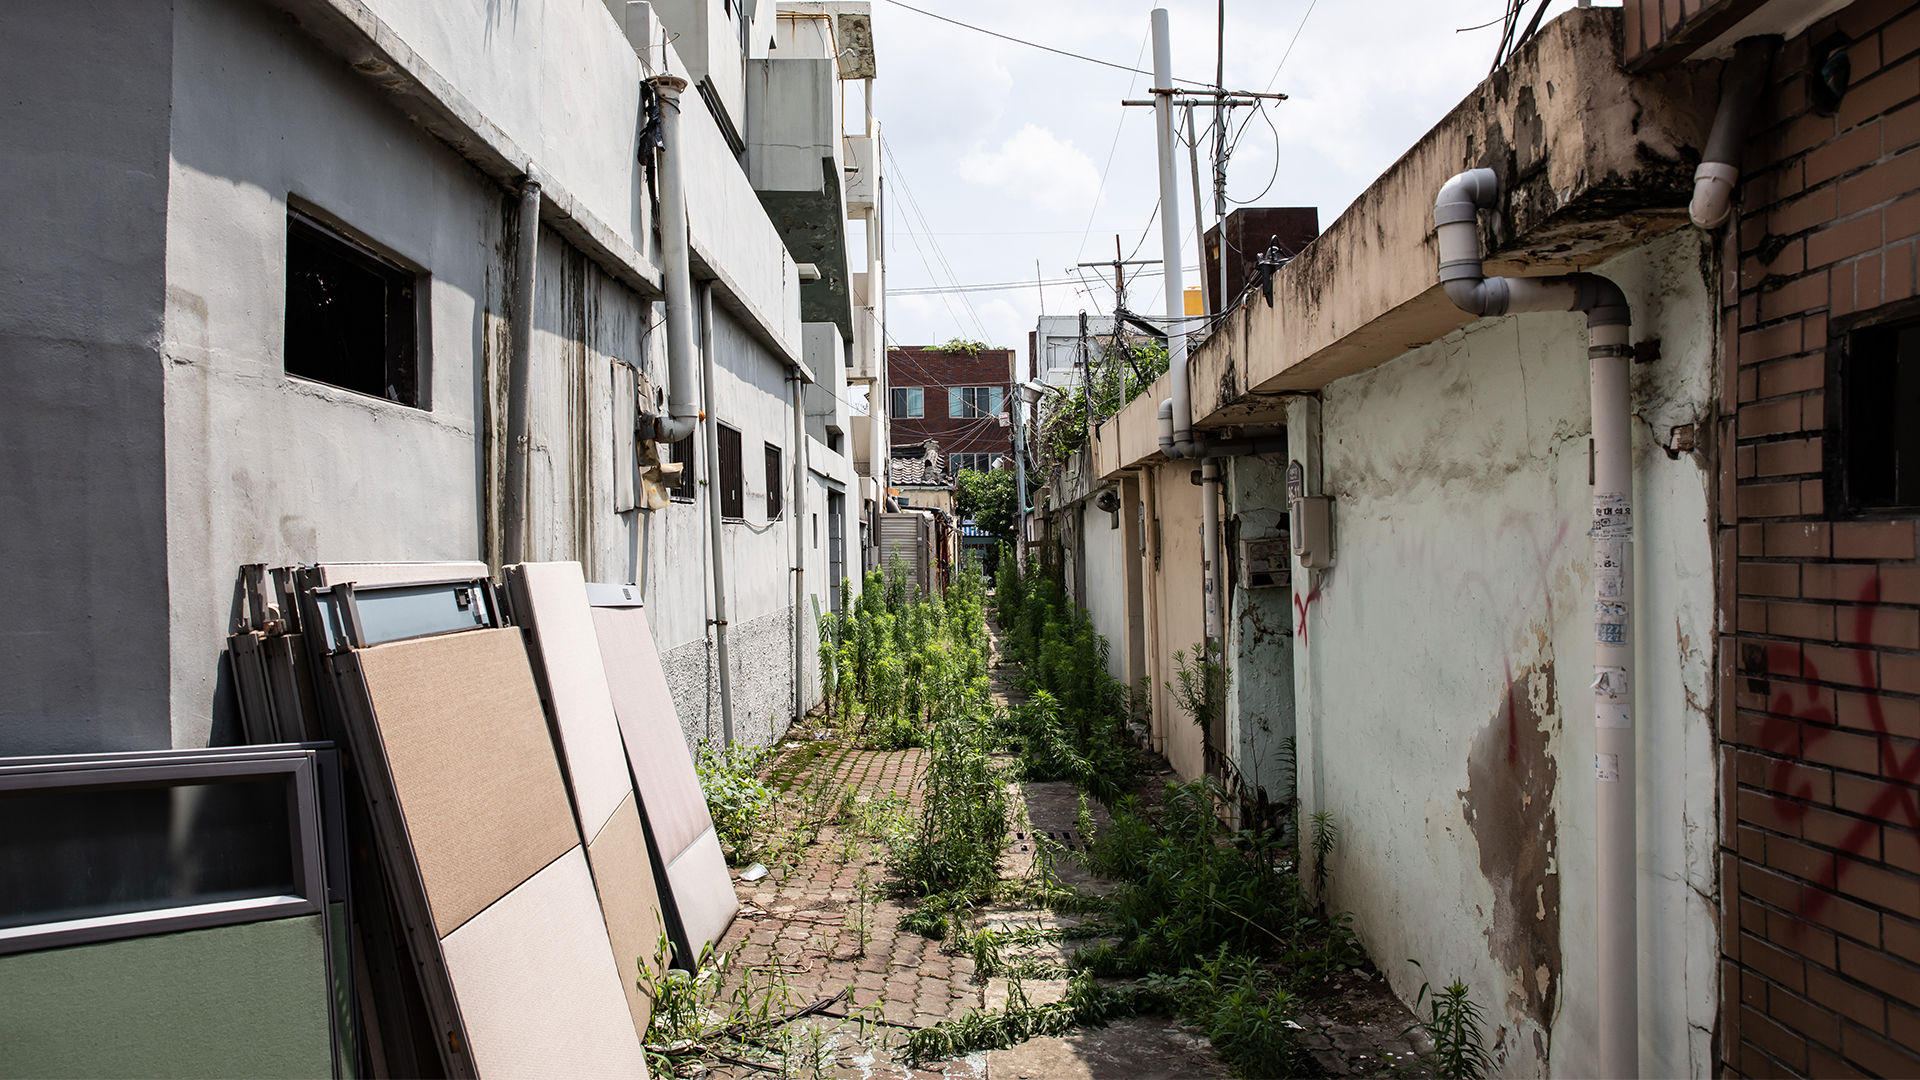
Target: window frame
1838,434
729,473
776,482
682,452
404,329
909,412
971,398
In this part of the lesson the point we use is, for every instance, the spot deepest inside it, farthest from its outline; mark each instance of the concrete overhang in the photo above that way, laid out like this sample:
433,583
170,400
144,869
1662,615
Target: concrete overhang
794,148
1592,161
375,52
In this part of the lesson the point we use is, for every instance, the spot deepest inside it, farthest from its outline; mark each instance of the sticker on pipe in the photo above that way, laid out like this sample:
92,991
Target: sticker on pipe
1612,516
1609,622
1610,682
1610,569
1612,714
1606,768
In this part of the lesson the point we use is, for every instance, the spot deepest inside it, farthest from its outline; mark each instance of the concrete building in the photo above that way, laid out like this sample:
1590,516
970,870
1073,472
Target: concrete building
1431,652
260,307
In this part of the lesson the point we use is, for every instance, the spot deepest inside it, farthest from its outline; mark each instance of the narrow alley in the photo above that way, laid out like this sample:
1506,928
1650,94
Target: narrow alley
919,538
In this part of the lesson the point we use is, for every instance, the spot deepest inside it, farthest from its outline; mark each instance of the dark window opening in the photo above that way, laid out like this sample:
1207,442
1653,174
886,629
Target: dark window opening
733,488
351,315
682,452
774,485
1880,417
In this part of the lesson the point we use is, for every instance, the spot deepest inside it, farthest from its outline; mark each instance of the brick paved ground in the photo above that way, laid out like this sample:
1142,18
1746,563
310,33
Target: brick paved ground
820,921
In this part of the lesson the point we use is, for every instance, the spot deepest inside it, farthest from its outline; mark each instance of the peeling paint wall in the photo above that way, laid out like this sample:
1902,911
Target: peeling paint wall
1260,632
1450,648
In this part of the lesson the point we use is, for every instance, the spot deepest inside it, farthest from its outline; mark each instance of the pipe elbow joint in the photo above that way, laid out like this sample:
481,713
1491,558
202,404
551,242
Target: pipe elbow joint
1478,296
1713,184
1461,197
1166,427
672,429
1604,302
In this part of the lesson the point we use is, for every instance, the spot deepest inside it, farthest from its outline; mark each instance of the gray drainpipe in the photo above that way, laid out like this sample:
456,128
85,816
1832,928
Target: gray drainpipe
1741,84
513,538
713,520
683,395
1609,358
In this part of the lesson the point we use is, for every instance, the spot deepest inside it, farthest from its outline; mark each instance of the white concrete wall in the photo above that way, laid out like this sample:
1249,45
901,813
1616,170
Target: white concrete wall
1450,649
1104,543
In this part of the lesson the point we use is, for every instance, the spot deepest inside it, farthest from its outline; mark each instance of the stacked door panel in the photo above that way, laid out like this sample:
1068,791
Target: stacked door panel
696,887
481,849
549,601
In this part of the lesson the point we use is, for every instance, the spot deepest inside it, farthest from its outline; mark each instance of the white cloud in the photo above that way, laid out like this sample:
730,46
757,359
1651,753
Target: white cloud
1037,166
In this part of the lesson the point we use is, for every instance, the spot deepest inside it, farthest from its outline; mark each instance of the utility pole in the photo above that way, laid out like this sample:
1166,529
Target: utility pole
1119,265
1219,149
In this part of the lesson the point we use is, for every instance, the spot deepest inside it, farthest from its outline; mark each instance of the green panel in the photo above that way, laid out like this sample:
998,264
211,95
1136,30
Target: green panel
248,1000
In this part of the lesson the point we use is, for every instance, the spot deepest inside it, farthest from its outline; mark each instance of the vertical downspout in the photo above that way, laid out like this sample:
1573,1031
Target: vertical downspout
716,537
1456,223
513,539
683,396
801,451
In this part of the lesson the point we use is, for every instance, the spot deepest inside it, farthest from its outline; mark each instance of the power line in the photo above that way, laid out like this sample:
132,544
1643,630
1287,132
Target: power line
1035,44
1105,169
913,205
1290,44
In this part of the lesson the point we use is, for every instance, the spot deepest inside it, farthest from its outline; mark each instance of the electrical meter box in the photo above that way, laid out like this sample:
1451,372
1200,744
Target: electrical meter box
1312,531
1266,564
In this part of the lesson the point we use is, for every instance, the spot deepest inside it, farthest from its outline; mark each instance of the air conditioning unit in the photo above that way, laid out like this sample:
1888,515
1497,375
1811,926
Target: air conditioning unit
1266,564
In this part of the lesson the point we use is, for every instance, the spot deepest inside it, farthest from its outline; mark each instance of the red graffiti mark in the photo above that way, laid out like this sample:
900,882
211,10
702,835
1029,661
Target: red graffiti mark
1781,738
1301,604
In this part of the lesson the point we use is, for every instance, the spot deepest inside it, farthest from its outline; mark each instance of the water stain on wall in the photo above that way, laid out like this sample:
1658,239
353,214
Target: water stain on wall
1509,806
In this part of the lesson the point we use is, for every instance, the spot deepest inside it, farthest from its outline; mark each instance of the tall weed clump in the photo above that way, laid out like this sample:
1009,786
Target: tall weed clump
890,657
1075,724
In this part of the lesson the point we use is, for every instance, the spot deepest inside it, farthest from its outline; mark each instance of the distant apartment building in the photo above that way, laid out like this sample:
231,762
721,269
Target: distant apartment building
955,397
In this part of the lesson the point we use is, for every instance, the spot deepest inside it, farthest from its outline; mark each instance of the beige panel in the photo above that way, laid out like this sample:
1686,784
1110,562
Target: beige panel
703,890
472,765
623,876
657,751
550,599
537,983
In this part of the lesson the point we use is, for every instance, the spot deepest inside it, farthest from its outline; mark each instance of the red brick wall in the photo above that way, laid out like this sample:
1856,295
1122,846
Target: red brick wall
1820,709
1657,33
936,371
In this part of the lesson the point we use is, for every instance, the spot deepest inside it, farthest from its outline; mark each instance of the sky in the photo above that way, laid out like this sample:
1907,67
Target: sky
1005,162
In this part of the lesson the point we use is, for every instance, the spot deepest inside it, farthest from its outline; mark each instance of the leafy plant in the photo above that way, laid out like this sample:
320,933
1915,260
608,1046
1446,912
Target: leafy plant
1453,1022
736,796
1200,684
1325,835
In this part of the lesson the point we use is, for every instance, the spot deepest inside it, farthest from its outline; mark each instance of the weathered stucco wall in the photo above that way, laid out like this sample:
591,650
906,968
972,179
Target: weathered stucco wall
83,652
1450,649
263,467
1260,632
1181,625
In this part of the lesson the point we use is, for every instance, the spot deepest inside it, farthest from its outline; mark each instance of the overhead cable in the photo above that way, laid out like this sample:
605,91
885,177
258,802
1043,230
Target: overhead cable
1035,44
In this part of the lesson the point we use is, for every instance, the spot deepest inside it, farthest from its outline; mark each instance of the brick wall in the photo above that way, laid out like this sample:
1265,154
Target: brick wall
936,371
1820,709
1657,33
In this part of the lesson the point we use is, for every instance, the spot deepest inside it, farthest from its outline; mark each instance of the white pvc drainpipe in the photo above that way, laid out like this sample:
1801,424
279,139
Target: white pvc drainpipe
1456,223
513,532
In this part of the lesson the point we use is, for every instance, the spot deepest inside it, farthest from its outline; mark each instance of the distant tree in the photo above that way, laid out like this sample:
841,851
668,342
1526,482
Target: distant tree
988,498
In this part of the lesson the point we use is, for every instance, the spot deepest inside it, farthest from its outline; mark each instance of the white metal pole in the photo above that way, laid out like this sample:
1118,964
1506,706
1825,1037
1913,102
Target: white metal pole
1170,231
1612,535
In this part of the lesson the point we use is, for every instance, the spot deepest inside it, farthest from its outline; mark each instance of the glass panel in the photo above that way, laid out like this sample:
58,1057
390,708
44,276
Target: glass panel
83,853
956,401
